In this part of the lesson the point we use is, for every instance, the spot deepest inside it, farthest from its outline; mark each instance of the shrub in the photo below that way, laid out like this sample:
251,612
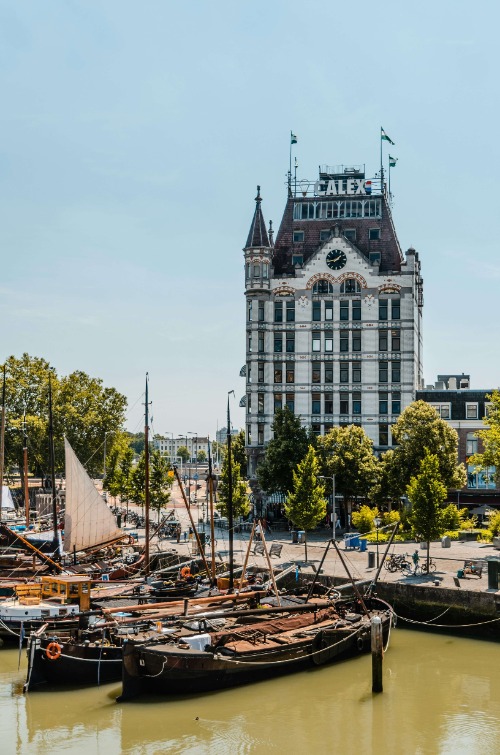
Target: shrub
452,534
390,517
469,524
383,537
494,524
363,519
451,517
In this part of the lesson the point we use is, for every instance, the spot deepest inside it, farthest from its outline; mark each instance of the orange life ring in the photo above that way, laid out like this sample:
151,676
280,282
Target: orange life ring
53,651
185,572
131,539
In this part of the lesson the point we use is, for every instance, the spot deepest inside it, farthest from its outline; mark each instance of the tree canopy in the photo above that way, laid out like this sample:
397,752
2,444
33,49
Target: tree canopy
490,436
286,449
306,504
427,492
241,504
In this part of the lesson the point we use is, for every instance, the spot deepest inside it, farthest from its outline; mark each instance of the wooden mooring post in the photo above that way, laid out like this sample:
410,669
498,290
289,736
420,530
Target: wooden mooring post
377,653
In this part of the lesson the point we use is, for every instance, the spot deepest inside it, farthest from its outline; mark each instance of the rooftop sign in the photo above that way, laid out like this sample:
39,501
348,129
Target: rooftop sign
342,187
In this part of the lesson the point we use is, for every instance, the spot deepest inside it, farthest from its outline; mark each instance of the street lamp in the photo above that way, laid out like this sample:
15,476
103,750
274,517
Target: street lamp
106,433
377,522
334,515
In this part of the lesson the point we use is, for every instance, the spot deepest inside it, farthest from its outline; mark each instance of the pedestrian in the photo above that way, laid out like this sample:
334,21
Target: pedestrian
185,536
190,533
178,533
415,559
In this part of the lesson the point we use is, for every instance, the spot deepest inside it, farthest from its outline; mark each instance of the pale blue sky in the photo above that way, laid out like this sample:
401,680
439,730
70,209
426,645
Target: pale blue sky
133,135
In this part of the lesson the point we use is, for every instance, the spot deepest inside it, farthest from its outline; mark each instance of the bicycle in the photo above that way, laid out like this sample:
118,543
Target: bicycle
422,569
397,562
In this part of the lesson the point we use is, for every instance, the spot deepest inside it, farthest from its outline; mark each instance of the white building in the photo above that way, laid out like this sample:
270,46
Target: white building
333,312
170,446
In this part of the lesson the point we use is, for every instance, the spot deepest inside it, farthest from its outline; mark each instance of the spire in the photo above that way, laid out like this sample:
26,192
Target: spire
257,235
271,233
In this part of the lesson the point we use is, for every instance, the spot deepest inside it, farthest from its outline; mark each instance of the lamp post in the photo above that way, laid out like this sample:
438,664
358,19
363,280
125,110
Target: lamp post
194,443
377,522
334,514
106,433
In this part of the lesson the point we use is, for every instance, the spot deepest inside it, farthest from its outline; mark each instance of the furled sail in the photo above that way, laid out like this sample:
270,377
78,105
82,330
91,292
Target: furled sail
88,521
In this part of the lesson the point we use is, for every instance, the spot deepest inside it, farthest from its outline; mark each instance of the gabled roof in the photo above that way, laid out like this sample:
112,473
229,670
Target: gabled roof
257,235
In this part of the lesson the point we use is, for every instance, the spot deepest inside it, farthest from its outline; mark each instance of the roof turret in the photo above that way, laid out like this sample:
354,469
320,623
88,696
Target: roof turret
257,236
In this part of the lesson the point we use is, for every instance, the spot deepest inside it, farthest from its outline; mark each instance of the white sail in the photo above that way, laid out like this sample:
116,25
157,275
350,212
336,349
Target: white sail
88,521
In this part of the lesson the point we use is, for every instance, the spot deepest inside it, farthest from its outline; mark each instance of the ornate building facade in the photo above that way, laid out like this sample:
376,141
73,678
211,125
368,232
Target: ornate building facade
333,312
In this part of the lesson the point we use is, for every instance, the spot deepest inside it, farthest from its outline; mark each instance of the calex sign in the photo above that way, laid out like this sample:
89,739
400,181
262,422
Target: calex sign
342,186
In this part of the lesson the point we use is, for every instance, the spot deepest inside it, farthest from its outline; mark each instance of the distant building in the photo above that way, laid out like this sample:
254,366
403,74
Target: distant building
463,408
170,446
221,435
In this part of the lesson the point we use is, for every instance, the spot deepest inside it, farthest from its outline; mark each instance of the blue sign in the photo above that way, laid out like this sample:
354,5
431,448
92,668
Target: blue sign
196,477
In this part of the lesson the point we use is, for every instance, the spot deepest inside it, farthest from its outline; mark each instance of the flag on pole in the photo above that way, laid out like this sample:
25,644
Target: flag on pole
384,136
293,138
392,161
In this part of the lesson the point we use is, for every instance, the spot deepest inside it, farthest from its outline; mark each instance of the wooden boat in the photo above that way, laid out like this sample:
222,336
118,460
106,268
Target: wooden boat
266,643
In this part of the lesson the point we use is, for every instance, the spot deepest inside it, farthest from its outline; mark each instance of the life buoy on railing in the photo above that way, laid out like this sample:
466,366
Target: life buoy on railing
185,572
53,651
131,539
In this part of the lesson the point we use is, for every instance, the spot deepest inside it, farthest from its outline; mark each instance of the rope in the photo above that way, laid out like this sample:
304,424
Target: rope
448,626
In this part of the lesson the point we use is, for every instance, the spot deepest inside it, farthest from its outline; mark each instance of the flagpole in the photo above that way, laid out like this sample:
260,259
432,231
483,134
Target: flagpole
381,163
290,168
389,175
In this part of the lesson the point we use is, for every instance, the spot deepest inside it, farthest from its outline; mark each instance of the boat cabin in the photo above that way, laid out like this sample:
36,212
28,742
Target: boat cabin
68,588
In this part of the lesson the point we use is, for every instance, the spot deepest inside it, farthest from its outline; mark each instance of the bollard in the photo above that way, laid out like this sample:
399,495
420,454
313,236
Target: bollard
186,606
377,653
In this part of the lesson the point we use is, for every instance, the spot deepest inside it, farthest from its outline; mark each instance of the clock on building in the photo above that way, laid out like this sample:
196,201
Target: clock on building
336,259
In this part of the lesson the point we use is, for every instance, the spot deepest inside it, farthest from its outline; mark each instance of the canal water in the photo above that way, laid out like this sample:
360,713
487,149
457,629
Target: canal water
441,695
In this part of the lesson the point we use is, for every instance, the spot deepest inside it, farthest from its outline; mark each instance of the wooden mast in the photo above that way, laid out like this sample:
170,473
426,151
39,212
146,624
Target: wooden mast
212,527
25,472
2,442
230,498
53,468
146,476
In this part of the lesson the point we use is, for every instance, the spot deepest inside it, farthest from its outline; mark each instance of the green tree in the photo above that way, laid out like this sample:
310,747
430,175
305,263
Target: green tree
137,441
160,482
490,457
238,451
306,504
286,449
183,453
113,482
201,456
126,468
347,453
419,430
427,493
138,481
241,504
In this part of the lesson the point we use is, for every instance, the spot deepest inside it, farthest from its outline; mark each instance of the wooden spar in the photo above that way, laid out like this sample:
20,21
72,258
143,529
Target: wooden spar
146,477
247,555
25,472
2,442
393,535
358,594
230,497
188,509
194,603
318,571
42,556
212,526
53,468
271,570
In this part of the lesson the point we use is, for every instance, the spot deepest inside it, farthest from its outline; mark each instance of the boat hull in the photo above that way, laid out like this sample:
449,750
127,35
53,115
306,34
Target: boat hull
77,664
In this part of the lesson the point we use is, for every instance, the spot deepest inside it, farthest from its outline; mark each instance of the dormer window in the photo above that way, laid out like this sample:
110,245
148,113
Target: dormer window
322,287
374,234
325,235
298,237
350,286
350,234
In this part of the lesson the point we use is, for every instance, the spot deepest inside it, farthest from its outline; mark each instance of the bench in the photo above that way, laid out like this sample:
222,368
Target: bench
276,549
258,549
474,568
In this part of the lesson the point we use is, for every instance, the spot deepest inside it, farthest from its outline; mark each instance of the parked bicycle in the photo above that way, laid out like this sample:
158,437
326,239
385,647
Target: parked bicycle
397,562
422,568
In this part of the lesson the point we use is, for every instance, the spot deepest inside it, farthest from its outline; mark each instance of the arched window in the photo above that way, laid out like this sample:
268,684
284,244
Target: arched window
322,287
350,286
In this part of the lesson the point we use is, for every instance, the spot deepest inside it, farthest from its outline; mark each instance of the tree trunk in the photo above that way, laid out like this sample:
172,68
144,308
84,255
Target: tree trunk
428,555
305,543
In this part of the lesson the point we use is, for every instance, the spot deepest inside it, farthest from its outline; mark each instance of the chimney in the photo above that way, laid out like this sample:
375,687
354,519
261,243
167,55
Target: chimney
452,384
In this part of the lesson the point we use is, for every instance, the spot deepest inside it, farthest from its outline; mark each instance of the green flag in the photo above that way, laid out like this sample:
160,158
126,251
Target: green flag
384,136
293,138
392,161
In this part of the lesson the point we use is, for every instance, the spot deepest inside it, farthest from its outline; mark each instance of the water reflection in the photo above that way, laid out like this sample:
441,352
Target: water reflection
441,695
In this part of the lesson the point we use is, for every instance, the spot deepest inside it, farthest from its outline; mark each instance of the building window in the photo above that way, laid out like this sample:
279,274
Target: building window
329,341
472,444
328,310
316,341
261,343
260,403
290,342
278,373
356,372
249,372
383,403
344,340
374,234
278,401
290,372
260,435
265,270
383,372
298,237
249,310
383,309
290,310
443,410
396,309
322,287
396,340
396,372
471,411
249,403
344,310
344,403
247,270
383,435
297,259
396,403
356,309
316,429
278,342
316,311
350,234
356,403
260,372
383,340
328,403
325,235
350,286
328,373
249,435
278,311
316,403
256,270
316,372
290,402
356,340
344,372
261,311
249,335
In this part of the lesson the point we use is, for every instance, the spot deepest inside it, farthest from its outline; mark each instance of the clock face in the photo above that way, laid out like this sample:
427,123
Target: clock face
336,259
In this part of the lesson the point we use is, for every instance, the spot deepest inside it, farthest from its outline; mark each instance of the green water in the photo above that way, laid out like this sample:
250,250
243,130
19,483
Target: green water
441,695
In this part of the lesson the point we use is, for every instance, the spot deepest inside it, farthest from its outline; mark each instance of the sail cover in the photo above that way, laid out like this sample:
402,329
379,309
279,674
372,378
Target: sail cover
88,521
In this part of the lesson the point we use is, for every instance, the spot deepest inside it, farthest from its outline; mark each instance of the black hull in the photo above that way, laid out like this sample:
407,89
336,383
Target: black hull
78,665
150,670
